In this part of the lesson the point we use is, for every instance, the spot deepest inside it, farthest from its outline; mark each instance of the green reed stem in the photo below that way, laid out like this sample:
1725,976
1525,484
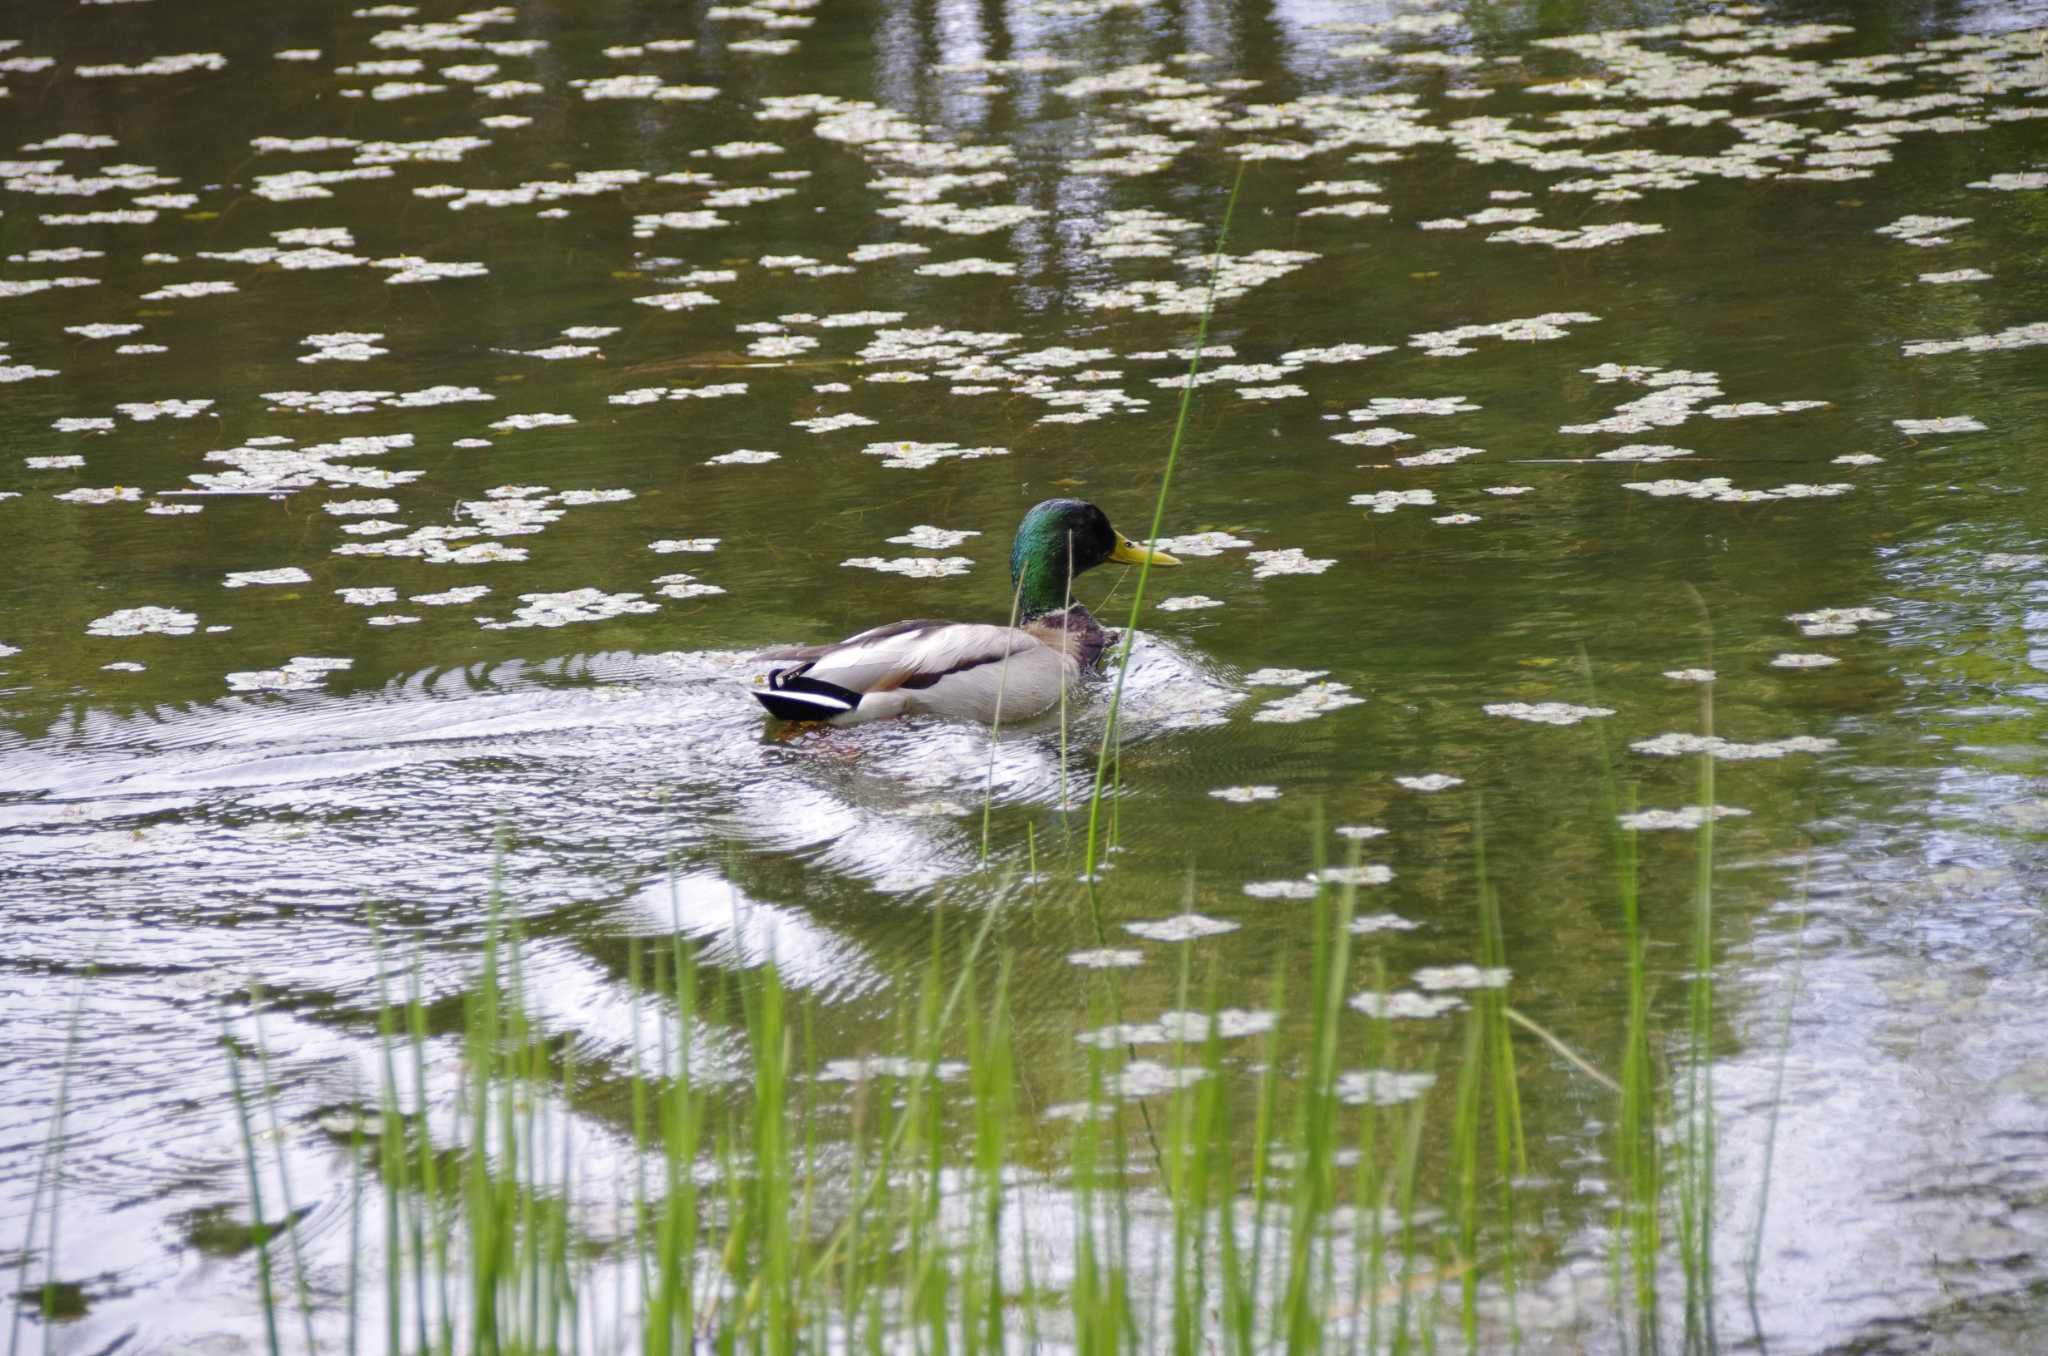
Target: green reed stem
49,1173
1180,424
259,1231
284,1177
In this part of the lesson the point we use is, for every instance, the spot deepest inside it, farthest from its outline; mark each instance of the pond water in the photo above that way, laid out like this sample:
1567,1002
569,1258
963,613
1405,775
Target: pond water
414,419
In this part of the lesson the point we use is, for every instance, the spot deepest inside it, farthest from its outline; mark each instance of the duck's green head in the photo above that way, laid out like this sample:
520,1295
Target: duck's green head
1058,540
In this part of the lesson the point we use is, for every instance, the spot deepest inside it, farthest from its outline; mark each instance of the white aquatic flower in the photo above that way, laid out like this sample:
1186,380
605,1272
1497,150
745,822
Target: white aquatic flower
1359,832
2013,183
136,621
887,1066
1856,459
1120,1034
1721,491
61,463
781,345
973,264
677,301
1430,782
410,270
830,423
347,346
1951,423
1106,958
1280,889
1456,519
1245,795
1804,661
1382,922
557,352
1144,1078
1690,675
1403,1005
1311,701
368,597
1201,544
685,586
1335,353
1187,602
928,538
1919,227
436,395
287,574
1186,927
468,593
1382,407
1175,1026
1438,978
575,605
1685,817
1677,743
1381,1087
915,567
1386,501
1370,873
1291,560
672,546
1227,1023
512,422
908,455
859,319
745,456
1283,677
1442,456
296,675
1546,713
2016,336
178,291
142,411
1836,621
1957,275
865,254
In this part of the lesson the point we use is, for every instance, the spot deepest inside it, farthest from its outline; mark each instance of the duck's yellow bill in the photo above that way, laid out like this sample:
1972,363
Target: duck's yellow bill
1129,552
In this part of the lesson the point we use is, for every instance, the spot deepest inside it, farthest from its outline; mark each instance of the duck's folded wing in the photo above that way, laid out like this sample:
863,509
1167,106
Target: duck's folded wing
913,654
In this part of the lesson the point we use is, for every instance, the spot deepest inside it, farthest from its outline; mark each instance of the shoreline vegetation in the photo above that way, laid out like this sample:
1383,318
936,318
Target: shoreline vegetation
1234,1193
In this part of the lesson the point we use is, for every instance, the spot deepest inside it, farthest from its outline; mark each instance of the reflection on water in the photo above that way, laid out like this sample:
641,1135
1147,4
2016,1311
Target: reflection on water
365,376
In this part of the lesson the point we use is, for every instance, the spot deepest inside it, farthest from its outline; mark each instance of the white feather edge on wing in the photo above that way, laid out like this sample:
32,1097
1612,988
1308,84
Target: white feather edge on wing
863,664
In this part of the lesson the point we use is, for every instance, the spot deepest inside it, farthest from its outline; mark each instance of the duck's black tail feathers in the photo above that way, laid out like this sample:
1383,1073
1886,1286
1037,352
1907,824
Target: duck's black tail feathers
792,696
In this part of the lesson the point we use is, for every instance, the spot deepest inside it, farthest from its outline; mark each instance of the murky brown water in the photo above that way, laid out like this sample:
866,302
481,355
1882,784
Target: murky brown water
382,391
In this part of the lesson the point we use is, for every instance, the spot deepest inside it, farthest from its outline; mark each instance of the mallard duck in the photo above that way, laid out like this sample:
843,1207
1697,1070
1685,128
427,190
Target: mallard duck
968,670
